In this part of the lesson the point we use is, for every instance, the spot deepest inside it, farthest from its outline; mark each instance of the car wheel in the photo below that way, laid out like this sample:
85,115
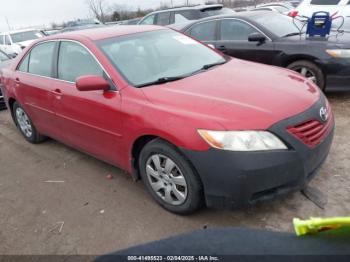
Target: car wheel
25,125
310,71
170,178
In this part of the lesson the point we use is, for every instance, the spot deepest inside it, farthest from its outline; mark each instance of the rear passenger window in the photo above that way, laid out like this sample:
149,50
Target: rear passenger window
74,61
41,59
204,31
163,18
236,30
1,39
24,65
188,14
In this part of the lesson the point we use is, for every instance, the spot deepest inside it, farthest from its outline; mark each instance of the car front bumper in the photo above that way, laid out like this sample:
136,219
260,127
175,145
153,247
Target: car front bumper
238,179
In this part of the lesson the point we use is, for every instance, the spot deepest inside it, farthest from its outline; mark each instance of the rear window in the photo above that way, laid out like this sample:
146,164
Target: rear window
325,2
216,11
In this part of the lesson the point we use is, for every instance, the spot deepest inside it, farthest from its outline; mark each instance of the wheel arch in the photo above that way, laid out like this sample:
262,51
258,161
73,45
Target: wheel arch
302,57
137,147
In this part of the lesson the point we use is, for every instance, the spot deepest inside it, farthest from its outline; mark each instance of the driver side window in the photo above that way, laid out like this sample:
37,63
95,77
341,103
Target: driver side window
148,20
74,61
236,30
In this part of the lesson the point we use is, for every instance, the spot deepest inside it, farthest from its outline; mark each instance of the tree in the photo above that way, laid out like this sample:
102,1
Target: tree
99,9
115,16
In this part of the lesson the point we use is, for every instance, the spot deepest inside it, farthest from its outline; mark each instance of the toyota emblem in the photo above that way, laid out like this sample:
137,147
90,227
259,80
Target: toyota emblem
324,114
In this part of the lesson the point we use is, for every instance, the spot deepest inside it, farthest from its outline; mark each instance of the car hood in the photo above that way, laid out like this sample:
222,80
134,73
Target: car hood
237,95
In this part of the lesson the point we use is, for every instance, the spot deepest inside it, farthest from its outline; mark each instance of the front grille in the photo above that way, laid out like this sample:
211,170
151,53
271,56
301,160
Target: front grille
312,132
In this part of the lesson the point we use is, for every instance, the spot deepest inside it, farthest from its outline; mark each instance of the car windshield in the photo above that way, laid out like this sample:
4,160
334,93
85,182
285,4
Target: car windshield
280,25
26,36
163,54
3,57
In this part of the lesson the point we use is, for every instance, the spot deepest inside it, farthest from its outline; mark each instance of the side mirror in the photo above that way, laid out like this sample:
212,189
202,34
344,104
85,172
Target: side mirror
257,37
91,83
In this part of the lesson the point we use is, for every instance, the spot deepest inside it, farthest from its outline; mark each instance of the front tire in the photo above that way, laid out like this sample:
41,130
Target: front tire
311,71
25,125
170,178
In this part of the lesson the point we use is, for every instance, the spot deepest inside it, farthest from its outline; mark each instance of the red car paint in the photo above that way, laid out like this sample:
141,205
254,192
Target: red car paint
238,95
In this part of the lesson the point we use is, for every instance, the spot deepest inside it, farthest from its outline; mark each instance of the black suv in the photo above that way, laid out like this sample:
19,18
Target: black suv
183,14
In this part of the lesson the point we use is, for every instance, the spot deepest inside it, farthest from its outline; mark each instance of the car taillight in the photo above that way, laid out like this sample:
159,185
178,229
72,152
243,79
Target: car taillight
293,13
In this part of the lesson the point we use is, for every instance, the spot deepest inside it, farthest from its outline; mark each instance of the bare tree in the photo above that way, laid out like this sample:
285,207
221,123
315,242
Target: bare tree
99,9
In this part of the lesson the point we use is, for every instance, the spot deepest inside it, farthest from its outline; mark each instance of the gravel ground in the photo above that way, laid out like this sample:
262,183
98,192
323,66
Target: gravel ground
90,214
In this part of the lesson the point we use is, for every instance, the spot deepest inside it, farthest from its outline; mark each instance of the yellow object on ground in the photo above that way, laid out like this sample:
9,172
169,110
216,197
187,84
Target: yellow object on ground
316,225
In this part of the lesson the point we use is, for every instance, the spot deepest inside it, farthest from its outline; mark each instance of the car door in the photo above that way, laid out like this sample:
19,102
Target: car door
233,41
34,86
89,121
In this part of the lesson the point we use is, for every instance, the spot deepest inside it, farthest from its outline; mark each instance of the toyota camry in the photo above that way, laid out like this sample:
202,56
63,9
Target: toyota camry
198,128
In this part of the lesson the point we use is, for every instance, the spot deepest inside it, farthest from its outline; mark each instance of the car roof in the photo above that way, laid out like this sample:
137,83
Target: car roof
242,15
195,7
100,33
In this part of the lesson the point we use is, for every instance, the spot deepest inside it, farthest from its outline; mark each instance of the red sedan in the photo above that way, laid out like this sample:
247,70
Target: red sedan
197,127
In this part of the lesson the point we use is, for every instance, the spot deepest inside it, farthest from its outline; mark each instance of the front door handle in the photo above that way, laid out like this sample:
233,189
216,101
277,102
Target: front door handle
58,93
222,48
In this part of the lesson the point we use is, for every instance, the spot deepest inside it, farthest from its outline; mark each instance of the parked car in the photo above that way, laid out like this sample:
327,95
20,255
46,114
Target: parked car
183,14
274,39
4,58
308,7
196,126
14,42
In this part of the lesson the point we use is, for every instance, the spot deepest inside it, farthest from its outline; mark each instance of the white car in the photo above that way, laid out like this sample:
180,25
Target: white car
308,7
14,42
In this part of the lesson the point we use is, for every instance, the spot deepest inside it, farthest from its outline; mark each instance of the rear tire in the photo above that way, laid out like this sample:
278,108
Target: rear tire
170,178
25,125
310,71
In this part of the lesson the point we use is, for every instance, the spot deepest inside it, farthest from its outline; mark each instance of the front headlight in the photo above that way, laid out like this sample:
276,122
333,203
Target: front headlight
242,140
339,53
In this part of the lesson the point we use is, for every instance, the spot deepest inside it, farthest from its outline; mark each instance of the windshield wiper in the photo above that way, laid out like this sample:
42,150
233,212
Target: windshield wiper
206,67
292,34
162,80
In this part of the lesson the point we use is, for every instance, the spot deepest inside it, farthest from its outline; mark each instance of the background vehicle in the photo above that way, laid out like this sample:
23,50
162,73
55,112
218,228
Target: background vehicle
273,39
14,42
308,7
4,62
183,159
183,14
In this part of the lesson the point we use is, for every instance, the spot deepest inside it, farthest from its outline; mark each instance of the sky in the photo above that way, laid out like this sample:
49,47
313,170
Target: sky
27,13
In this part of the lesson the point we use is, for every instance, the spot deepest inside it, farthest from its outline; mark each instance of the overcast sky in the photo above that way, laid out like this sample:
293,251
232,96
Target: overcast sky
26,13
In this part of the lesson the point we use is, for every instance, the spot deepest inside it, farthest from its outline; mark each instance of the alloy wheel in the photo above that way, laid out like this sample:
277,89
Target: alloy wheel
166,179
307,73
24,122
